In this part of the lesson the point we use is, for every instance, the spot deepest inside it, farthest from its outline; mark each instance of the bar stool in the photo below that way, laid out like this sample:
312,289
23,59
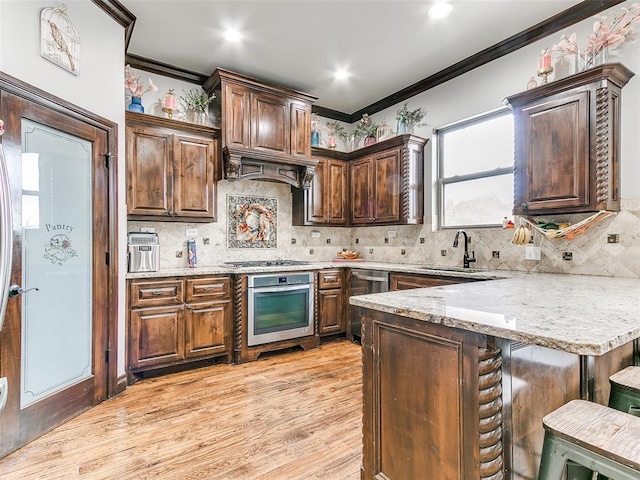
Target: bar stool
625,390
600,438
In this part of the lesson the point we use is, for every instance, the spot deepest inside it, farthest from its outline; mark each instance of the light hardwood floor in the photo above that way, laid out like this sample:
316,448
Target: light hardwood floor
291,416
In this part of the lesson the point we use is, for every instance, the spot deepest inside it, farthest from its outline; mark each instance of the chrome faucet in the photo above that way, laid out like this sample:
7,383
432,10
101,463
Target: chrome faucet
466,259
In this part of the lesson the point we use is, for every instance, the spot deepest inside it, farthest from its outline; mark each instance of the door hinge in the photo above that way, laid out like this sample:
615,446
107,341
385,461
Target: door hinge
106,356
107,159
106,258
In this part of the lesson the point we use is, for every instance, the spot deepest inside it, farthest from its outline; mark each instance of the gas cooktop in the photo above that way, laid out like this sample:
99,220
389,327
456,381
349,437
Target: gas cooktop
265,263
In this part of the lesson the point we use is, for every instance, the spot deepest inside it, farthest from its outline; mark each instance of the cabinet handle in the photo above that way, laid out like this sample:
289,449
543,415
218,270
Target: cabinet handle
210,287
158,292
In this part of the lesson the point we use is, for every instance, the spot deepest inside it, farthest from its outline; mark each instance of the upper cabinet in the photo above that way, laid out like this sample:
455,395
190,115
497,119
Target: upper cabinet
171,169
567,137
379,184
266,129
325,202
387,182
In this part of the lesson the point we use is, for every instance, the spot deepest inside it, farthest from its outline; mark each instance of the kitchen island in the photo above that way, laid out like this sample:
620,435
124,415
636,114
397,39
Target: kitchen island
457,378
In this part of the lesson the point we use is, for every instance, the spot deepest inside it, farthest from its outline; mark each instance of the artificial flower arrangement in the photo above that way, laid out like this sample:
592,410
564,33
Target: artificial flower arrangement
135,85
410,118
336,129
606,34
196,100
365,128
315,124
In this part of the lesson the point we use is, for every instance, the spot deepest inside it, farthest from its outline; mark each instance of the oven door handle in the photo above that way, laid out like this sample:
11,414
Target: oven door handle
283,288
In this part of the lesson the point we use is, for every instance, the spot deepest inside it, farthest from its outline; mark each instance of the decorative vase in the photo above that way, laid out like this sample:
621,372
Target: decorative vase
369,140
331,142
315,138
136,105
198,117
598,58
402,127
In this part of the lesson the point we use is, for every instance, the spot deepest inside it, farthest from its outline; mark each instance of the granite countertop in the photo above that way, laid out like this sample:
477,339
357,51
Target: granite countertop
444,271
585,315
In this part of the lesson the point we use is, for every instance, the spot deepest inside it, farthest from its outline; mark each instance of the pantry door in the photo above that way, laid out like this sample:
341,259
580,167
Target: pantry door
53,346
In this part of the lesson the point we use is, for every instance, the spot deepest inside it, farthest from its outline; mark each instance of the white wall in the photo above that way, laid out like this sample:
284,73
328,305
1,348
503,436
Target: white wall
98,88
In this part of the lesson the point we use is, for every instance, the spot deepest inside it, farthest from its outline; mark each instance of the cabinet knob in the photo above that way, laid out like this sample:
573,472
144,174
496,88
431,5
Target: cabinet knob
523,206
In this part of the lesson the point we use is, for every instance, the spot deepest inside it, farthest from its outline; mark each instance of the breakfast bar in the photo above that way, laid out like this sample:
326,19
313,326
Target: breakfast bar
457,378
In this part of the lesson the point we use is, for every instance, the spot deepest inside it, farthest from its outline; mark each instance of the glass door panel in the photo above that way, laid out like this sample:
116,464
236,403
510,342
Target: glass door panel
56,260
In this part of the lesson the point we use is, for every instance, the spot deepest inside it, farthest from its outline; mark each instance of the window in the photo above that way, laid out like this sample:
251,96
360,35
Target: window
475,171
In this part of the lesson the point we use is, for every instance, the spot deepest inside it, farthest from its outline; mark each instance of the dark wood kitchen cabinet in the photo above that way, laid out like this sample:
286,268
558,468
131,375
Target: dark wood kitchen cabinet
325,202
171,169
387,184
404,281
331,302
567,137
178,320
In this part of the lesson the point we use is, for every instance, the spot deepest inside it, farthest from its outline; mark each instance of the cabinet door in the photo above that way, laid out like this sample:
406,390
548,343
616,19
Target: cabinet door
316,194
336,192
300,115
388,183
156,336
331,311
149,172
193,176
552,164
270,123
362,188
237,105
208,328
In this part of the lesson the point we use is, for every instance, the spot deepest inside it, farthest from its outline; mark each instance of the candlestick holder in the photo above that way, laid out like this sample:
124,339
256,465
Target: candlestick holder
170,111
544,73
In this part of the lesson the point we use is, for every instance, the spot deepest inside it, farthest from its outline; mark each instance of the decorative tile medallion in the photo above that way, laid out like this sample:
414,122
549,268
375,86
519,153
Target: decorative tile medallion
252,222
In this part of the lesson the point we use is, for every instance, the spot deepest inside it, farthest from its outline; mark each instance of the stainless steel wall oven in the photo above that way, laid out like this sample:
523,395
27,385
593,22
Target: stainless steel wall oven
279,307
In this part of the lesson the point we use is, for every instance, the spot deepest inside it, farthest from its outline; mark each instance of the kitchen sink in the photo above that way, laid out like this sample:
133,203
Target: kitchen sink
452,269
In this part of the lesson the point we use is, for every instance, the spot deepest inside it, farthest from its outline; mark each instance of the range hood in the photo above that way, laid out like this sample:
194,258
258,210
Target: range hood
244,163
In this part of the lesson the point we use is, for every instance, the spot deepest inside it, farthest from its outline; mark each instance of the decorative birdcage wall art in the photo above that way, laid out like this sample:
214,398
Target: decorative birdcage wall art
59,39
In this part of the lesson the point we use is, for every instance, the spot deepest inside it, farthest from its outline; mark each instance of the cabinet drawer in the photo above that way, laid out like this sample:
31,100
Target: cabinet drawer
210,288
330,279
156,293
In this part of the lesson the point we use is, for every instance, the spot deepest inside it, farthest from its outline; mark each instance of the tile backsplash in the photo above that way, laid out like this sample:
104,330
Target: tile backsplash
415,244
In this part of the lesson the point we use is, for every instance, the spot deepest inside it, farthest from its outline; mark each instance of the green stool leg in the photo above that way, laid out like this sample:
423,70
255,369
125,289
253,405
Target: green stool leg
552,462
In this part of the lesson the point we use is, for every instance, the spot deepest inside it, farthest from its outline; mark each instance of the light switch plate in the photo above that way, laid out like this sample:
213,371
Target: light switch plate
532,253
191,232
392,234
147,230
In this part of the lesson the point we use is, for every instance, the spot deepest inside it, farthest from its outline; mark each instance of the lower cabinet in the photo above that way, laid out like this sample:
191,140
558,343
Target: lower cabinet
331,302
178,320
402,281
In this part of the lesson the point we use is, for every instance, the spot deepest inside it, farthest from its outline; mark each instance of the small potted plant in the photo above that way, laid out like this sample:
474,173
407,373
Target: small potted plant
335,129
407,120
367,129
195,103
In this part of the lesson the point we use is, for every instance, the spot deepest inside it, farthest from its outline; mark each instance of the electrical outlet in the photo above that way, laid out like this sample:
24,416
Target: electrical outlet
532,253
178,253
421,239
443,253
315,234
191,232
613,238
147,230
392,234
495,254
567,256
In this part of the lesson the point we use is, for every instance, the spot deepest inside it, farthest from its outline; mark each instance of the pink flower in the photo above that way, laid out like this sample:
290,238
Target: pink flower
134,84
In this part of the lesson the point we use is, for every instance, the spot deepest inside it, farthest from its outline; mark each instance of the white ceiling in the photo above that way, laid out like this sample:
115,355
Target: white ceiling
387,45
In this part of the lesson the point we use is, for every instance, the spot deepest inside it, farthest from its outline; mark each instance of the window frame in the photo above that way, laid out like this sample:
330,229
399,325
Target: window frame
441,181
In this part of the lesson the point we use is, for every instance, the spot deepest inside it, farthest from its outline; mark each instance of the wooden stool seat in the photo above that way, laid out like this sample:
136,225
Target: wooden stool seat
625,390
603,439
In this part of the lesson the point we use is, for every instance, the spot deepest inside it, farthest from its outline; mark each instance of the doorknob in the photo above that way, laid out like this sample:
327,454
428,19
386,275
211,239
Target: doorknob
15,290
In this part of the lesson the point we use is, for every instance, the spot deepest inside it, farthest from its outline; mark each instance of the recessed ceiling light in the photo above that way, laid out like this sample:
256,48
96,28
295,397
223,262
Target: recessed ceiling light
232,35
439,10
341,74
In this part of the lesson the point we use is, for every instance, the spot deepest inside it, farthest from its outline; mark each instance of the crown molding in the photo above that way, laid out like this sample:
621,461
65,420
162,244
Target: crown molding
575,14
